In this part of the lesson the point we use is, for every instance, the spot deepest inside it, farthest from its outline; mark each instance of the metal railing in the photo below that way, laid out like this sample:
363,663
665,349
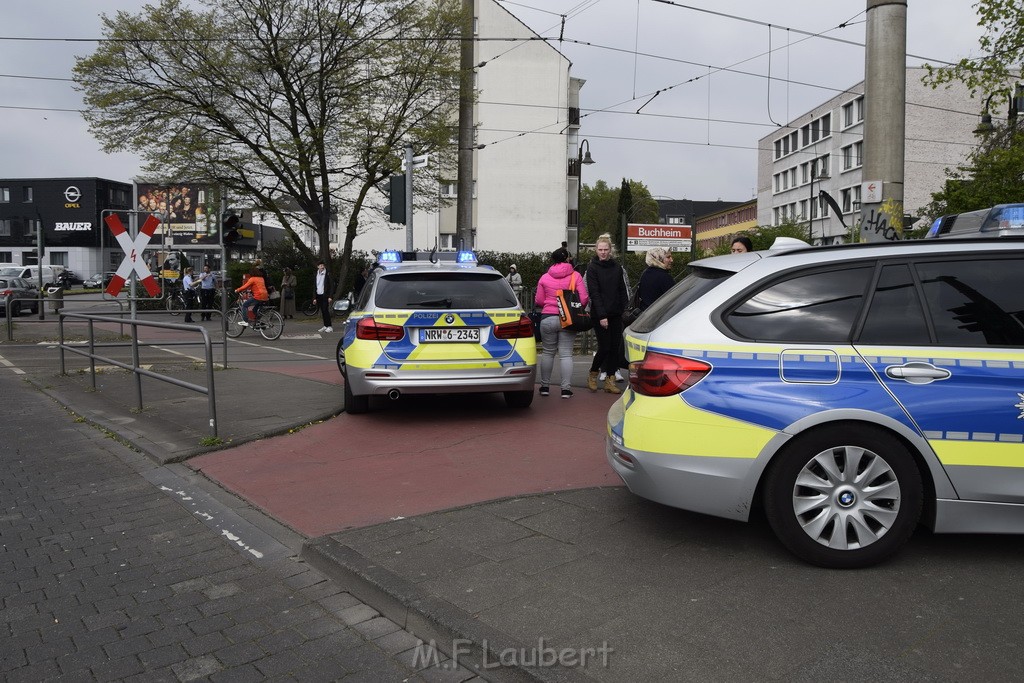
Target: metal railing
135,367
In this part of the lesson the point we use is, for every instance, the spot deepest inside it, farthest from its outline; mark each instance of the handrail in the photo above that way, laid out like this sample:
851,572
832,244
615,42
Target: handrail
138,371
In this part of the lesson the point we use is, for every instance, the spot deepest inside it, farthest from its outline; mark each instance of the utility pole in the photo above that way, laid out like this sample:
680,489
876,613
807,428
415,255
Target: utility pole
464,202
408,198
885,104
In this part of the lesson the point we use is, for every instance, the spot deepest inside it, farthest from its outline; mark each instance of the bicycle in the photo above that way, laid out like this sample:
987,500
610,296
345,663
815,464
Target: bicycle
268,322
175,302
310,309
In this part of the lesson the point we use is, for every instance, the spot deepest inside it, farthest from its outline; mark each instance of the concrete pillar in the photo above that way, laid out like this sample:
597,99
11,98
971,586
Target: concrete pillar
885,103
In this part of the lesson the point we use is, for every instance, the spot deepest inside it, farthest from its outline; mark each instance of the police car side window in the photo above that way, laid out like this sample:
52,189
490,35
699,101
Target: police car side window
815,307
895,315
975,302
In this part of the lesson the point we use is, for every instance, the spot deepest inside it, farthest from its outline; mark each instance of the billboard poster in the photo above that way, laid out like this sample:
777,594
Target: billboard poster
643,236
187,212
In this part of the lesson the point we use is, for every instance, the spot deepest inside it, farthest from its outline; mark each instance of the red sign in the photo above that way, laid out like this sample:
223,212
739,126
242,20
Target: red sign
132,251
643,236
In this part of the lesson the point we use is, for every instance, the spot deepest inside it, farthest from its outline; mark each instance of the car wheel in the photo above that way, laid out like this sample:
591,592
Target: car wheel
518,399
844,497
354,405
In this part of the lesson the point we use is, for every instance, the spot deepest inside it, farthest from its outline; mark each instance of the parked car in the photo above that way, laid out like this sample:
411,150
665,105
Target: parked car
98,280
50,274
434,327
849,392
22,295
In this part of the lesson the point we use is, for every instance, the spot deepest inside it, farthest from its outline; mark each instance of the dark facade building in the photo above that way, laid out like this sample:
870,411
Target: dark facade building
69,212
685,211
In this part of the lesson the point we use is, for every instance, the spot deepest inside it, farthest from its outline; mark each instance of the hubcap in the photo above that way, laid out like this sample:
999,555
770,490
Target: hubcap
846,497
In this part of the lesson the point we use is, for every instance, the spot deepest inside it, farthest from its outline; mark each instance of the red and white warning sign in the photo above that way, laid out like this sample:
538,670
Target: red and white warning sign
132,251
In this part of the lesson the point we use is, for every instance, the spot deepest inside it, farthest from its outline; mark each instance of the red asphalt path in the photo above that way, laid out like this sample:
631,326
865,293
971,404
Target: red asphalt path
417,455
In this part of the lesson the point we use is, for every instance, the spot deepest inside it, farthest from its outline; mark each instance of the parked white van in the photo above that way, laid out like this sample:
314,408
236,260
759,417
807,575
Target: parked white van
31,273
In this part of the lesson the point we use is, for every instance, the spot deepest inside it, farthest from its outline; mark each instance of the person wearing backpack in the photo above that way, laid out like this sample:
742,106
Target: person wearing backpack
560,275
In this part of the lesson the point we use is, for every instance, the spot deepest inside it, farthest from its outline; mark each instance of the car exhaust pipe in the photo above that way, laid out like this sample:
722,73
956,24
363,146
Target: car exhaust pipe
393,394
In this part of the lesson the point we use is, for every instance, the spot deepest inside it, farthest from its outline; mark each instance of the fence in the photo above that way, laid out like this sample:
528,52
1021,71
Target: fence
135,366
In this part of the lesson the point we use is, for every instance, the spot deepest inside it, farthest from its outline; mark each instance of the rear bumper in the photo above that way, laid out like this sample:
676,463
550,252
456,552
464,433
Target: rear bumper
378,382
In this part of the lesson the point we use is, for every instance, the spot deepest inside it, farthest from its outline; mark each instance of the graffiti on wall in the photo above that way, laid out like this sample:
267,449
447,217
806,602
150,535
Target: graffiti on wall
883,222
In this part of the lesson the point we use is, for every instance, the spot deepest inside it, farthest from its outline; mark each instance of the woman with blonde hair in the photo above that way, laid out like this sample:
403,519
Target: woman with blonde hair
656,278
606,285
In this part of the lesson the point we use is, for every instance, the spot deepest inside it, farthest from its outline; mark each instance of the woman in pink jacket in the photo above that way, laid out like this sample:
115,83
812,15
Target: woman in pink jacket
559,276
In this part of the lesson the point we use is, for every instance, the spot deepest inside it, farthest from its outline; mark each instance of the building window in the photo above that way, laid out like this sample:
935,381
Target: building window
785,145
858,153
776,216
31,226
815,131
858,108
59,258
26,193
848,115
778,149
805,134
449,190
5,195
826,125
847,158
5,227
847,199
5,256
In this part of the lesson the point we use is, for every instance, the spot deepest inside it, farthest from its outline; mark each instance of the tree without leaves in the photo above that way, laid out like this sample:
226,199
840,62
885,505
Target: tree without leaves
288,104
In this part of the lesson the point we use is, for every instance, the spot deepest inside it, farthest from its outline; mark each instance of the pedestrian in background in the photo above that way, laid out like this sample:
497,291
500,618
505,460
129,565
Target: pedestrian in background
207,293
288,284
656,278
606,285
188,291
741,245
322,290
516,280
560,275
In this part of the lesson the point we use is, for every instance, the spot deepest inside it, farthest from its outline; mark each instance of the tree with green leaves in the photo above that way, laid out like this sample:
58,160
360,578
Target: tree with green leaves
600,209
283,104
994,172
1003,45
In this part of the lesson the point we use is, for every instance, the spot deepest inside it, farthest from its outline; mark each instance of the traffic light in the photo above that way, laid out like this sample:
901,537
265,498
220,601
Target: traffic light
229,223
396,199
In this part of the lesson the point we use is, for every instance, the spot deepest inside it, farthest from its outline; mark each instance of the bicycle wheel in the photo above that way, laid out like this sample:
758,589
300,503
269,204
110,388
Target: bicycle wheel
310,309
271,324
174,305
233,328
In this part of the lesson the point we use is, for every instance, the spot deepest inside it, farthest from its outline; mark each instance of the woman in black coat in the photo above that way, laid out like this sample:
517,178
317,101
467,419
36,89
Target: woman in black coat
656,278
608,299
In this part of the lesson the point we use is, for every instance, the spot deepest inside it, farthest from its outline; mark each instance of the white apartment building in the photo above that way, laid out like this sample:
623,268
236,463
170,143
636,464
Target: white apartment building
526,174
823,150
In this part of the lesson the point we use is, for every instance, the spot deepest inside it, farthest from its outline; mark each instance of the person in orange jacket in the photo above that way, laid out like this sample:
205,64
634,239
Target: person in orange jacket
258,288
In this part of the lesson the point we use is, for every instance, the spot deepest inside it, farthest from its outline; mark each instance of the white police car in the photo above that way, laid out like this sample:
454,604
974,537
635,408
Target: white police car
848,391
443,324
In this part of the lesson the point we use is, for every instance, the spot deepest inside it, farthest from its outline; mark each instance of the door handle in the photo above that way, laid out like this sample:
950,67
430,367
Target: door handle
917,372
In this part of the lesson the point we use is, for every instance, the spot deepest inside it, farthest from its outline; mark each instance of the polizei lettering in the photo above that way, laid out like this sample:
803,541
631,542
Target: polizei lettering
73,227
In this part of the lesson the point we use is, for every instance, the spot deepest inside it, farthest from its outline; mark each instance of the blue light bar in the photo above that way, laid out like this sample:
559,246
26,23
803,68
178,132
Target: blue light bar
389,256
465,257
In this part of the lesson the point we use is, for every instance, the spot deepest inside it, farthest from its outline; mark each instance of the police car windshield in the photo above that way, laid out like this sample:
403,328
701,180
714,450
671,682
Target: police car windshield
444,289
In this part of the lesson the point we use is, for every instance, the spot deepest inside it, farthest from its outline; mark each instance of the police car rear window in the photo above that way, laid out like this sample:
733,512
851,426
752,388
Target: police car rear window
699,282
443,290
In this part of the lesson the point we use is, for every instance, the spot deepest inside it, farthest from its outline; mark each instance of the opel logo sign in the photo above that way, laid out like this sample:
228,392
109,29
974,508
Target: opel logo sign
72,194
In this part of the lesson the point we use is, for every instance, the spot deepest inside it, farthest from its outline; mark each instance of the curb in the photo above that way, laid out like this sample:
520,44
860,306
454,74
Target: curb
428,617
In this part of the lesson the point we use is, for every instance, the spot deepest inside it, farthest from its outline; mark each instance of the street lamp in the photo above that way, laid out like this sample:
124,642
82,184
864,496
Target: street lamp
810,213
583,159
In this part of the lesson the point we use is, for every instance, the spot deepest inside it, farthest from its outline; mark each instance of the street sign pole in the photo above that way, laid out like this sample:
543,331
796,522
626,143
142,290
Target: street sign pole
408,198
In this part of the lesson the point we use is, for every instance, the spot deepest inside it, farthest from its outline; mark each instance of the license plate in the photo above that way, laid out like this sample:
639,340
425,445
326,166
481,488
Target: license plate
450,334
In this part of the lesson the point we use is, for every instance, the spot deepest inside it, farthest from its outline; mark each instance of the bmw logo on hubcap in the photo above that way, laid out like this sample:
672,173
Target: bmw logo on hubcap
846,498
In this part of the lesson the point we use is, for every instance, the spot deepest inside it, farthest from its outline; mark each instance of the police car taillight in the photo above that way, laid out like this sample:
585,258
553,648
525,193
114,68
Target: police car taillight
368,328
660,374
518,330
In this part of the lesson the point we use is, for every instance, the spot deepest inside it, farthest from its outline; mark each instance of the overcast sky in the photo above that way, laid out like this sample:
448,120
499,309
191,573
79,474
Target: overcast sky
697,139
